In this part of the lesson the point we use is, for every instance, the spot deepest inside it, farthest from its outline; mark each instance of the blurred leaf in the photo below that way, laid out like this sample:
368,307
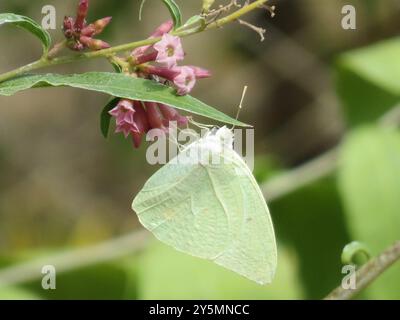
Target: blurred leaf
29,25
118,85
265,166
311,220
369,180
105,117
104,281
174,11
16,293
164,273
368,81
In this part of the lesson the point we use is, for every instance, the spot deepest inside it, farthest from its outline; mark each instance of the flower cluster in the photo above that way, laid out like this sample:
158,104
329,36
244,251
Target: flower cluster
166,54
158,62
137,118
79,34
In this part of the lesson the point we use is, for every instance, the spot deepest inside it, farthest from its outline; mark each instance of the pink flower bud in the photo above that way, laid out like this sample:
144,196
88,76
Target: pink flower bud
162,72
200,73
171,114
93,44
83,8
169,50
144,58
89,30
68,27
101,24
140,118
154,116
76,46
163,29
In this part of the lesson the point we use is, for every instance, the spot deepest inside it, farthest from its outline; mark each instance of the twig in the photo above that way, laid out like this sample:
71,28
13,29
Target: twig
368,273
258,30
76,258
45,62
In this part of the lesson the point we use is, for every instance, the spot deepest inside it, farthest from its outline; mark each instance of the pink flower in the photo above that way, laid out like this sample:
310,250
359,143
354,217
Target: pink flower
137,118
185,80
124,115
160,31
169,50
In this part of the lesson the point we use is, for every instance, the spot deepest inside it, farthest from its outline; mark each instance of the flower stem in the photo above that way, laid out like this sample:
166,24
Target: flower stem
106,53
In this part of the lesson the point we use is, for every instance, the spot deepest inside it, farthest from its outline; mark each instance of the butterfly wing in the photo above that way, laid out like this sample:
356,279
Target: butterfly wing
215,212
253,252
181,207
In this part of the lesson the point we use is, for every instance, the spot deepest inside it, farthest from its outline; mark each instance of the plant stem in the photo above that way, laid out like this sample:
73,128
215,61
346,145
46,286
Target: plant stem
368,273
106,53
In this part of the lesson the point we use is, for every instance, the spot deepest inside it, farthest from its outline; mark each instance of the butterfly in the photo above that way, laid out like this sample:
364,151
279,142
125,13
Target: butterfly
206,202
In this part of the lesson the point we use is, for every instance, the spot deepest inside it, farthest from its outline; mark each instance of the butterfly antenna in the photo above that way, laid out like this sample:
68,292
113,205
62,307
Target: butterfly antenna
241,104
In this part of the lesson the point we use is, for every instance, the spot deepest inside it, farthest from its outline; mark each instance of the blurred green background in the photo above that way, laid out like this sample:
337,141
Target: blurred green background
312,86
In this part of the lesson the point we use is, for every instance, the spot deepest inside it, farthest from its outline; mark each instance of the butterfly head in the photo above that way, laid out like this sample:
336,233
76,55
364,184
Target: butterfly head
225,137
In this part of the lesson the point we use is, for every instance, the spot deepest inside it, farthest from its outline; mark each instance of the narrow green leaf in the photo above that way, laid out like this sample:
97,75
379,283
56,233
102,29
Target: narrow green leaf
141,9
118,85
117,68
175,12
192,21
105,117
29,25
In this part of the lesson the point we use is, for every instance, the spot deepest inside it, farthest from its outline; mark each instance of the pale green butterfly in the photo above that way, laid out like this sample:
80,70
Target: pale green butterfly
206,202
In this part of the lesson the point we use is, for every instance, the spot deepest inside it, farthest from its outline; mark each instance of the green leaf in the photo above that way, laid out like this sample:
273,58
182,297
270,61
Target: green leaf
105,117
141,9
367,81
118,85
369,181
29,25
18,293
175,12
193,20
117,68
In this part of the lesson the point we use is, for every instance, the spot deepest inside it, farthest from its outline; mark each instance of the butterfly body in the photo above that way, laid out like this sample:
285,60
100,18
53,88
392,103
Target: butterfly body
206,202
